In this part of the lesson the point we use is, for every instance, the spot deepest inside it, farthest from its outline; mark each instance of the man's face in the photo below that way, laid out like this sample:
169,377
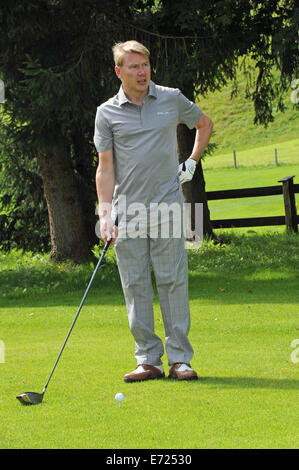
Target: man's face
135,73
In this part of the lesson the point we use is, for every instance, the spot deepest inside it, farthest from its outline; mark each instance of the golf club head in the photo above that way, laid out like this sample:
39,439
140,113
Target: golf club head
30,398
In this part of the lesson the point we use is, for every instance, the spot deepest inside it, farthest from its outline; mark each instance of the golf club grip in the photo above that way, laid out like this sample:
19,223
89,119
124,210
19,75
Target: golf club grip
107,244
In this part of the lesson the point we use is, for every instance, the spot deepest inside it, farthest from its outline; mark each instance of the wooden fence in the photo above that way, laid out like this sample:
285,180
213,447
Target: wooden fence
287,189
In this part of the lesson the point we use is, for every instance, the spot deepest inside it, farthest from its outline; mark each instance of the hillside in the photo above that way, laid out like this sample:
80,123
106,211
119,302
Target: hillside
233,121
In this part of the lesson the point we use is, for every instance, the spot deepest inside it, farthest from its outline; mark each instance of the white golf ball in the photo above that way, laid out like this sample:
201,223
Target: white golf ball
119,397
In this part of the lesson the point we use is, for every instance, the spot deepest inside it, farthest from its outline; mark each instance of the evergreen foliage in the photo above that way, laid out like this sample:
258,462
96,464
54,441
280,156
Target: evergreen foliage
57,66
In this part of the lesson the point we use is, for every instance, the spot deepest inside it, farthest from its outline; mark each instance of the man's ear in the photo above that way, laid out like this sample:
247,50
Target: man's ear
117,71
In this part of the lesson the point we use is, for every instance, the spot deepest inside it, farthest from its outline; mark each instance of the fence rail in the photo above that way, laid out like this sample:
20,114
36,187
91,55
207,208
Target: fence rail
287,189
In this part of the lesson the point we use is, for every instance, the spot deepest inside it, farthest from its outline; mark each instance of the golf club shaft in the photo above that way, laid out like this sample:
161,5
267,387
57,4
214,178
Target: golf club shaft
79,309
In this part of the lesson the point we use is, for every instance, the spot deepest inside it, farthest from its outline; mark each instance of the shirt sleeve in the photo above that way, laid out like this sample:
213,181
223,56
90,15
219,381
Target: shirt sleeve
189,112
103,138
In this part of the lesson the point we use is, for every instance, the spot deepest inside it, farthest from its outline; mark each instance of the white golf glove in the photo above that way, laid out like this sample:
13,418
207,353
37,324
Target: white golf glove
186,170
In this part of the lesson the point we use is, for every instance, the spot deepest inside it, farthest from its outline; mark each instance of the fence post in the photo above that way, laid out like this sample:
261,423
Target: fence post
275,157
289,203
235,159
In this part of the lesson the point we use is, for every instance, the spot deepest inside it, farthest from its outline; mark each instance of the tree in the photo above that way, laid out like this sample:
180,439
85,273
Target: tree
197,45
23,218
57,65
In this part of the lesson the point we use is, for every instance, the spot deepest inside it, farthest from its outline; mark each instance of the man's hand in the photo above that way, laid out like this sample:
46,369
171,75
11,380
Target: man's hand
186,170
108,229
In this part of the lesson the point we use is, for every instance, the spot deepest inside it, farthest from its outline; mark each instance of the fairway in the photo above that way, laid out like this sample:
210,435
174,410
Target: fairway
244,307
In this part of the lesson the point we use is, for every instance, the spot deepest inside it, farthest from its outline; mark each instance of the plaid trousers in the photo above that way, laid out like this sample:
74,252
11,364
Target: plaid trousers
168,257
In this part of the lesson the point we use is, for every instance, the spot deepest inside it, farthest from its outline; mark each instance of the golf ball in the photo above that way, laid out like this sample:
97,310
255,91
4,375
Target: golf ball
119,397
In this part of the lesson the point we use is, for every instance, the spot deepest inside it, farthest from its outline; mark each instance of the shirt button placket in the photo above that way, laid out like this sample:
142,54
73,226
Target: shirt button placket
141,115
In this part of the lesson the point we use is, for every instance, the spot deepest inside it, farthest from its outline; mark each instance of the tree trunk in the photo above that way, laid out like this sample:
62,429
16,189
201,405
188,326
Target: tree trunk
69,237
194,191
85,170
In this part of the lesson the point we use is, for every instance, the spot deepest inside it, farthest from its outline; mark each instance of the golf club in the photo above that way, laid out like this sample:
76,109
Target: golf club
33,398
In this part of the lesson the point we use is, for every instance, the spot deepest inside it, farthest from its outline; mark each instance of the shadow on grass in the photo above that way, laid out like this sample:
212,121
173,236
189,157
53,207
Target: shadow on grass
235,289
218,288
250,382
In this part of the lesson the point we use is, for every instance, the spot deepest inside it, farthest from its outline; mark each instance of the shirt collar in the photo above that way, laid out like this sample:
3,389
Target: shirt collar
151,92
122,96
152,89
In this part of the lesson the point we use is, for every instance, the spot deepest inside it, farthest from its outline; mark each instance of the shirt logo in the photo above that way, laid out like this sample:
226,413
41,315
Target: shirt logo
162,113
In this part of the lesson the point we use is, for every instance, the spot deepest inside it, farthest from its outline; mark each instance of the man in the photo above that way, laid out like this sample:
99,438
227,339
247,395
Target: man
135,136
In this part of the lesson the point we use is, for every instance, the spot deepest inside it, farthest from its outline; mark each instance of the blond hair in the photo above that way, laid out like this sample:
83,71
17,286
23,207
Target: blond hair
121,48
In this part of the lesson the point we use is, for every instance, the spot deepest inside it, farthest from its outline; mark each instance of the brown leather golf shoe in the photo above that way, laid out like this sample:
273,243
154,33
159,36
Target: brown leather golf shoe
182,371
145,372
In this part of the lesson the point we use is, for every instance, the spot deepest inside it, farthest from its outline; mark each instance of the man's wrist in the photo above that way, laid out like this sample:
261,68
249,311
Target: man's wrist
104,210
105,218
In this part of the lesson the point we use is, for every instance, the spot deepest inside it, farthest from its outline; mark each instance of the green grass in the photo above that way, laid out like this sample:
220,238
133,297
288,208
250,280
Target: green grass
249,177
234,128
254,146
244,310
287,153
244,306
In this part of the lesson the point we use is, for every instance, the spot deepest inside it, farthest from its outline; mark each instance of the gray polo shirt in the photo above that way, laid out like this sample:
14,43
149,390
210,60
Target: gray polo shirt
144,142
